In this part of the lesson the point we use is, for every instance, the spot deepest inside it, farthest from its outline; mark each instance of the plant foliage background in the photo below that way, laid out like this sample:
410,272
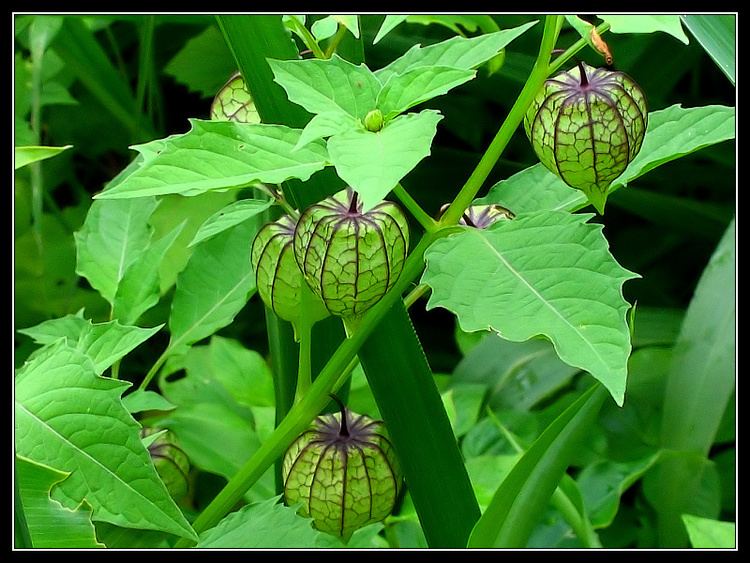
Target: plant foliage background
109,277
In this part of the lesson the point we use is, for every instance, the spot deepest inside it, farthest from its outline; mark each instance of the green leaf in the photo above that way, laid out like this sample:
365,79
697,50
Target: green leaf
215,155
646,24
139,289
463,403
231,215
523,495
458,52
487,472
500,279
710,534
324,125
350,22
204,63
716,34
140,401
324,28
114,236
116,537
456,22
403,91
603,483
389,23
51,525
214,286
374,162
56,395
103,343
27,155
325,86
266,525
672,133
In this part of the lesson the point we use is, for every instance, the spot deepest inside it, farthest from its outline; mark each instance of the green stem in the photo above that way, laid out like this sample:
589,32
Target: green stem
573,49
534,82
304,374
332,46
308,39
115,370
427,222
415,294
22,536
37,187
155,368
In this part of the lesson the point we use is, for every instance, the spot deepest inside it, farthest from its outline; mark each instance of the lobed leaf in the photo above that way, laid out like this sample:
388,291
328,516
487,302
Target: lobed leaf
67,416
545,273
216,155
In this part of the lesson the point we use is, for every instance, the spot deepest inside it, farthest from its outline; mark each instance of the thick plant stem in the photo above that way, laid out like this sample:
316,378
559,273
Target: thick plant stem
340,34
304,373
514,118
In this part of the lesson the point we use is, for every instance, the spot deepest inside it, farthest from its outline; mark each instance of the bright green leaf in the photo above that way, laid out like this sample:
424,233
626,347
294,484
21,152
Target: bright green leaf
464,400
324,28
56,395
27,155
331,85
138,290
646,24
457,52
389,23
500,279
51,525
231,215
716,33
103,343
350,22
373,163
214,286
403,91
710,534
140,400
324,125
216,155
114,236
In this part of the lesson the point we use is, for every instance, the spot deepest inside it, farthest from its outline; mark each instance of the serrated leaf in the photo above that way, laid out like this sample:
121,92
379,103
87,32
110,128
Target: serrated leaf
267,525
403,91
56,395
103,343
706,533
231,215
331,85
216,155
672,133
547,273
458,52
214,286
646,24
141,400
51,525
26,155
389,23
324,125
139,289
374,162
113,237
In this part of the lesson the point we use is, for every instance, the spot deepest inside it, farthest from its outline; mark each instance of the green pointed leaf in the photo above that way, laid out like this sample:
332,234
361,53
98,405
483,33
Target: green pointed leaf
646,24
710,534
716,34
216,155
331,85
103,343
324,28
113,237
139,289
458,52
374,162
324,125
214,286
27,155
499,279
521,499
51,525
56,395
350,22
403,91
140,400
231,215
672,133
389,23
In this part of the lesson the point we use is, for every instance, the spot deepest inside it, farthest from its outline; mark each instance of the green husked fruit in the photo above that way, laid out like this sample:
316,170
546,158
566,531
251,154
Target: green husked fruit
345,475
234,102
483,215
278,278
586,125
171,462
351,259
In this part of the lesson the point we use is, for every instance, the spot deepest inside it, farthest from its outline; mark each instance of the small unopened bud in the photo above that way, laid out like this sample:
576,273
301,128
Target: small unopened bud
374,121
